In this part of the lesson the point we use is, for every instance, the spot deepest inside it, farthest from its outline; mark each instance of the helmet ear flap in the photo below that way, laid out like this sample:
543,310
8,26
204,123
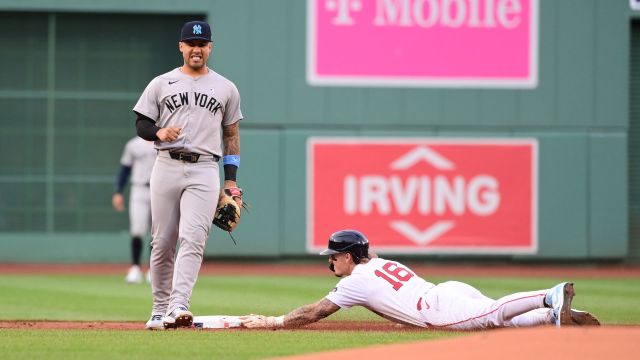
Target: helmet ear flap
359,254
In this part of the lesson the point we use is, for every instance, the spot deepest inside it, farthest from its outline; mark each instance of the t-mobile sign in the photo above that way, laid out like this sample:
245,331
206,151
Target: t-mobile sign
423,43
422,195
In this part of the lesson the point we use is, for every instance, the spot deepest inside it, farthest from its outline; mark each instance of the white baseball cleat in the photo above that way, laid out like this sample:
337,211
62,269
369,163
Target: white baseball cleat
179,317
155,323
134,276
559,299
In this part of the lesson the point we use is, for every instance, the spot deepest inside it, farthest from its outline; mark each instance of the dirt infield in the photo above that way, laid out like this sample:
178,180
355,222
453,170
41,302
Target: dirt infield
319,269
523,344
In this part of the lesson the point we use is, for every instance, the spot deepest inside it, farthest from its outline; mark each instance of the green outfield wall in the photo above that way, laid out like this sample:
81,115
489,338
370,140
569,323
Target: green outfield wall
72,70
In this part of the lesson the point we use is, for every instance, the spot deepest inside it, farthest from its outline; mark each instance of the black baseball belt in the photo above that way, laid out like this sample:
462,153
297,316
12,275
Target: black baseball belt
189,156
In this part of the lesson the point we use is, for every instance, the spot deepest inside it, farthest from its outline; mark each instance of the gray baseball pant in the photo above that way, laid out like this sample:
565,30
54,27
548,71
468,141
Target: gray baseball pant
183,201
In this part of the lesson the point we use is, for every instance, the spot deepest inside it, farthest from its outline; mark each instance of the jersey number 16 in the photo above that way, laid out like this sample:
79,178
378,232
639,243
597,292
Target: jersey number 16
394,274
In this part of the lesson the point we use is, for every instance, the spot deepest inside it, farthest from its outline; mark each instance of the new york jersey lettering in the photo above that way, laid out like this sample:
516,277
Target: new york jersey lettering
208,102
175,101
172,101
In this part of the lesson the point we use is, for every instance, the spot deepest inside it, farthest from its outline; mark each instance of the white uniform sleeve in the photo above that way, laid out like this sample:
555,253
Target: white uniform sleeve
147,104
232,112
127,155
349,292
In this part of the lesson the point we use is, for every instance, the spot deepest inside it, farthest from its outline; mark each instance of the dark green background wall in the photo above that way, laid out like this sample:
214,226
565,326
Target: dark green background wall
72,70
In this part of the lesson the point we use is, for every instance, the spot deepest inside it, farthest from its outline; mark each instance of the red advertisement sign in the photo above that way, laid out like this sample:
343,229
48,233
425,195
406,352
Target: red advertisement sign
424,195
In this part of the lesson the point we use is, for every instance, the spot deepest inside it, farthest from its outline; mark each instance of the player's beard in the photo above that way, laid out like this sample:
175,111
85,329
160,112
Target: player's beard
196,65
333,269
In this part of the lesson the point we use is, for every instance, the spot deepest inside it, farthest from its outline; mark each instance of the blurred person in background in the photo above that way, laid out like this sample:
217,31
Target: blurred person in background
136,163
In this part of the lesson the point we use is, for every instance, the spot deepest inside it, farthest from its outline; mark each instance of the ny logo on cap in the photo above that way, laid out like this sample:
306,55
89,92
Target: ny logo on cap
197,30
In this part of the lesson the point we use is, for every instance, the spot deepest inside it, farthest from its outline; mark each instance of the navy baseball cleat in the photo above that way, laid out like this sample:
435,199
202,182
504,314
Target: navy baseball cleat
179,317
559,299
155,323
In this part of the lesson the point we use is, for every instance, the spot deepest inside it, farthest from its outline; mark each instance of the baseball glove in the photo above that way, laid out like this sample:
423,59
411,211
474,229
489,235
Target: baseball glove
227,214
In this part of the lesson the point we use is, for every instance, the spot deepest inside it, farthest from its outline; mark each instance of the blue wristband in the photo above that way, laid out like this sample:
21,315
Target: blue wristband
231,160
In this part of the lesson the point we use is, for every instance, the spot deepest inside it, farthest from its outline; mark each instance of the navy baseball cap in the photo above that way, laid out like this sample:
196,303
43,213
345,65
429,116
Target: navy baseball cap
195,30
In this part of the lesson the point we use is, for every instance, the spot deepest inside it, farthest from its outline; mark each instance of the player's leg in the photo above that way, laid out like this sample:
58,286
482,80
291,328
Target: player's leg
136,250
461,306
500,312
166,188
135,274
535,317
197,207
546,317
144,214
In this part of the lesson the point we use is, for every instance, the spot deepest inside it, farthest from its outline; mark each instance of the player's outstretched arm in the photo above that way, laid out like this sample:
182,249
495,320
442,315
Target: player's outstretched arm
310,313
303,315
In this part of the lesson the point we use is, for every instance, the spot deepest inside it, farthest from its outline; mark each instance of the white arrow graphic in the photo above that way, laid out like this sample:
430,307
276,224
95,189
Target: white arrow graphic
422,153
422,237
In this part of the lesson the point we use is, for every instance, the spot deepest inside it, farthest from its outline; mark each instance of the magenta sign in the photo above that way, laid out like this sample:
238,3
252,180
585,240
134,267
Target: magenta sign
423,43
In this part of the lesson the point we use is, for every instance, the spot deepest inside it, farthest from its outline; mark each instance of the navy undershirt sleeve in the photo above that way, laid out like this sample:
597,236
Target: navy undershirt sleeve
146,127
123,177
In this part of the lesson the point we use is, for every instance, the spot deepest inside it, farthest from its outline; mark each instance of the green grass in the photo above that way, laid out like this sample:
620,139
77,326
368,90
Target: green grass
97,344
107,298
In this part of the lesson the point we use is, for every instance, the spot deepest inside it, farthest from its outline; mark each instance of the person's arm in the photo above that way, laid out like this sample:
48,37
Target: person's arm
146,128
303,315
231,158
123,177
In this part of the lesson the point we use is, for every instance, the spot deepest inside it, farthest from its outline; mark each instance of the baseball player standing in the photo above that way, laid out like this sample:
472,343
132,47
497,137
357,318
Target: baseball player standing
391,290
188,112
137,160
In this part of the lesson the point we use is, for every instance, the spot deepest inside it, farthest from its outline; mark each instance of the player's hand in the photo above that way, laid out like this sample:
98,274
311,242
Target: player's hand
118,202
254,321
169,133
231,184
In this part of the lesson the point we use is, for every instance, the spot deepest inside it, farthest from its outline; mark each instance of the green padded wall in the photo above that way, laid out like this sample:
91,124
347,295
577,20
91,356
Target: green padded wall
67,112
68,84
634,144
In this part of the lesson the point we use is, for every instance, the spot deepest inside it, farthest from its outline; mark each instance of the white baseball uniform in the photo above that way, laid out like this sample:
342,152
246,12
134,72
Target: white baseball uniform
140,156
184,195
393,291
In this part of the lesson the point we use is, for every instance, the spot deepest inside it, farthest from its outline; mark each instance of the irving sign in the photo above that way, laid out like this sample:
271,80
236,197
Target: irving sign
423,195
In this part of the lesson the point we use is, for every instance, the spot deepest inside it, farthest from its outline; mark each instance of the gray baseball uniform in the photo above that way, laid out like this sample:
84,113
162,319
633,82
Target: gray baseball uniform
140,156
183,194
